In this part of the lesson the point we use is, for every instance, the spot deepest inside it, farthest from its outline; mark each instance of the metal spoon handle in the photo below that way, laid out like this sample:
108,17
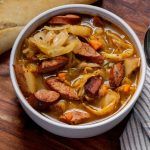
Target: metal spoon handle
147,46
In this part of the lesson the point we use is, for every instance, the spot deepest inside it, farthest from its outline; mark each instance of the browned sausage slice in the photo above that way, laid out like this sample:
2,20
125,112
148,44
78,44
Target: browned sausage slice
116,75
92,86
97,21
88,53
41,99
46,95
65,91
74,116
67,19
49,66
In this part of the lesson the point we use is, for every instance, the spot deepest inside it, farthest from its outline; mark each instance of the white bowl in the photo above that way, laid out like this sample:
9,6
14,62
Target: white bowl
84,130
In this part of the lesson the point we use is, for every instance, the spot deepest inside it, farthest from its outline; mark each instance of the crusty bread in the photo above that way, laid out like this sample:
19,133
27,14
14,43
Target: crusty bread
14,14
7,37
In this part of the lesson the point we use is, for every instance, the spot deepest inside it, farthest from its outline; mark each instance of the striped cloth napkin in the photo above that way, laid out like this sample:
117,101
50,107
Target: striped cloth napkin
136,135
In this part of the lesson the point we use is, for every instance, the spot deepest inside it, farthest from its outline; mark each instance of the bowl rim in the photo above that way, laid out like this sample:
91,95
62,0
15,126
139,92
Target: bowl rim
82,126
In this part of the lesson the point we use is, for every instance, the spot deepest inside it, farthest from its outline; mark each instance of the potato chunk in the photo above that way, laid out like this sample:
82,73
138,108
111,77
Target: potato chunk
80,30
131,64
21,79
30,80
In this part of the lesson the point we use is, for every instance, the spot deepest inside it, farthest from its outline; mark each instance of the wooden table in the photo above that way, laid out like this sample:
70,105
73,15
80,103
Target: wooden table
19,132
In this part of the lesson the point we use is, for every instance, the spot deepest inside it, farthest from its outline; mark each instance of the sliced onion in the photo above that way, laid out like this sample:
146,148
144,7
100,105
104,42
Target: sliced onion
60,38
40,36
50,36
30,80
63,49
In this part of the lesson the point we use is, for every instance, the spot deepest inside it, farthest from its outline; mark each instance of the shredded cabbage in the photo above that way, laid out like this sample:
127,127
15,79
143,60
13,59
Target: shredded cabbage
108,104
53,51
127,48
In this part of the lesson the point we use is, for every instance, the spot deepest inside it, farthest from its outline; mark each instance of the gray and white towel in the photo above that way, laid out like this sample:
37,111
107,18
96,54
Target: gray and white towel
136,135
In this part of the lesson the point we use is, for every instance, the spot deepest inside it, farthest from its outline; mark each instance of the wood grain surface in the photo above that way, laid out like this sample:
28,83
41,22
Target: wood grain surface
19,132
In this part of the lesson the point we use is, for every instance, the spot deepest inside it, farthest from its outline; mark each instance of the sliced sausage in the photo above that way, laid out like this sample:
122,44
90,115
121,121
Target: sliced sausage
49,66
65,91
97,21
88,53
42,99
74,116
92,86
47,95
116,75
67,19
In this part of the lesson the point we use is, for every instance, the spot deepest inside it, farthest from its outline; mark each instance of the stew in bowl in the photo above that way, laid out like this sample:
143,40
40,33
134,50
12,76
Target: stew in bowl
77,68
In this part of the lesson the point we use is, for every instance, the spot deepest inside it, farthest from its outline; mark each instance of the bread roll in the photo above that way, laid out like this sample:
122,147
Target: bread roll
14,14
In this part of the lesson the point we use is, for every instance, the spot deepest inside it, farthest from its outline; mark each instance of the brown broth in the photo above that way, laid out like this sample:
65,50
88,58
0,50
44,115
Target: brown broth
76,72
